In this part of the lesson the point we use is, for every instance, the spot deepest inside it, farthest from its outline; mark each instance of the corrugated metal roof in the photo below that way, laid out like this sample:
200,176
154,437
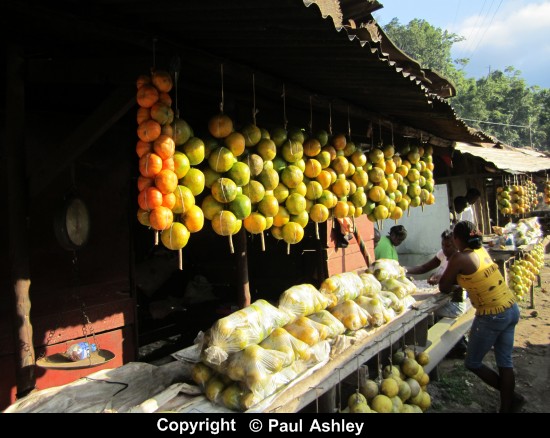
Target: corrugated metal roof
282,38
512,161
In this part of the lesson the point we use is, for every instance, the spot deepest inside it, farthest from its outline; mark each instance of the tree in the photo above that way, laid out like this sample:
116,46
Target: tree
519,115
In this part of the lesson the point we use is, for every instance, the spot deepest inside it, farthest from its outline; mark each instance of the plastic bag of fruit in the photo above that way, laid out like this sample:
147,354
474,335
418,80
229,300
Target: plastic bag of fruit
384,269
302,300
334,325
283,341
341,287
351,315
371,284
307,330
245,327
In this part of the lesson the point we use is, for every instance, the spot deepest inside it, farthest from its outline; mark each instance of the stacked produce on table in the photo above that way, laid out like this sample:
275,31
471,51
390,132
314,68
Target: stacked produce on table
252,353
277,180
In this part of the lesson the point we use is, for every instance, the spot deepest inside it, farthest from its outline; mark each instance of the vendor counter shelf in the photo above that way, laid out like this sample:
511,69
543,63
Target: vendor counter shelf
331,374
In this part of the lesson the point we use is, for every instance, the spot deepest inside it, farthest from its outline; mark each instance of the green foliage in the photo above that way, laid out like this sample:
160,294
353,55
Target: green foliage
502,97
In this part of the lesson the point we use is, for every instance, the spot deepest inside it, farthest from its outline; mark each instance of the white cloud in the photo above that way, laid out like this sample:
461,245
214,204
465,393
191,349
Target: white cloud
517,36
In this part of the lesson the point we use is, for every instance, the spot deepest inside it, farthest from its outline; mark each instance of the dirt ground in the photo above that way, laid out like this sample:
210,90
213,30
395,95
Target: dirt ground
458,390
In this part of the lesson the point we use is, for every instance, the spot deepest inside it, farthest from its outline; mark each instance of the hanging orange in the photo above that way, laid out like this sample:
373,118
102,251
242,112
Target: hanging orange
220,126
144,182
143,114
168,130
149,130
143,80
164,146
162,80
166,181
150,198
168,164
143,147
162,113
147,95
193,219
150,164
169,200
165,98
161,218
143,217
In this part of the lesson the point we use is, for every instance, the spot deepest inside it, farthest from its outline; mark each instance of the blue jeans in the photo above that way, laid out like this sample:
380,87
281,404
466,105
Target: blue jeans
492,331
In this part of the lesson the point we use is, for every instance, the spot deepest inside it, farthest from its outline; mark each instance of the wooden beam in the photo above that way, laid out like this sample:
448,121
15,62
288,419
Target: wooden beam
109,112
18,225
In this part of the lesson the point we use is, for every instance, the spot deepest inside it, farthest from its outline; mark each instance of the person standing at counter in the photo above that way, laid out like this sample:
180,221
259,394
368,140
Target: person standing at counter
385,248
464,206
497,312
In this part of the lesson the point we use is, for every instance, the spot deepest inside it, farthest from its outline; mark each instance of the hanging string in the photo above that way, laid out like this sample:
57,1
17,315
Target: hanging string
222,102
391,125
155,39
285,121
254,111
349,126
330,118
310,116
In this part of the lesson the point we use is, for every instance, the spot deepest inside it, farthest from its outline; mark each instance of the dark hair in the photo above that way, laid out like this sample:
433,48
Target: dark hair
447,234
399,231
472,194
468,233
460,203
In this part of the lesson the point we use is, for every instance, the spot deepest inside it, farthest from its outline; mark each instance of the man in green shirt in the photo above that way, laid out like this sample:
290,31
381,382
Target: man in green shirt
385,249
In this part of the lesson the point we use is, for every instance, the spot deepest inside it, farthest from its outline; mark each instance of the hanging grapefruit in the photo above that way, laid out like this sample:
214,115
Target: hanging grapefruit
166,181
221,159
224,190
224,223
269,206
194,149
255,223
193,219
239,173
195,180
254,190
319,213
182,131
266,149
210,207
220,126
241,206
184,199
252,134
293,233
161,218
235,142
175,237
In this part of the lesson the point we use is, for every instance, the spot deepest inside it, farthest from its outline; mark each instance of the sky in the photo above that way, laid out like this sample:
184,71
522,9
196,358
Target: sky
499,33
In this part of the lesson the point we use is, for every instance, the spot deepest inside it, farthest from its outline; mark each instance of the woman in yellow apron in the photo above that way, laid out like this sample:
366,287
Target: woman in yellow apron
497,312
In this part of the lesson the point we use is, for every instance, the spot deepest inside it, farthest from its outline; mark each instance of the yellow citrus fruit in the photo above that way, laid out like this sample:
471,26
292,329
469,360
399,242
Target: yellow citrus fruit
325,179
254,190
195,150
313,168
291,176
239,173
314,190
175,237
252,134
282,217
301,218
181,164
376,194
269,178
292,233
210,207
224,190
193,219
312,147
295,203
255,223
224,223
220,126
241,206
221,159
340,165
341,209
266,149
319,213
269,206
292,151
195,180
184,199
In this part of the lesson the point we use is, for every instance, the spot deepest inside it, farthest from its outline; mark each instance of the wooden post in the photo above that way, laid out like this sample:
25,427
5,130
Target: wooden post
18,202
242,270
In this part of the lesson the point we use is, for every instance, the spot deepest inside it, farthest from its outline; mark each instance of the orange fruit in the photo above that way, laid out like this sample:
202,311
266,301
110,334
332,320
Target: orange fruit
340,165
341,187
150,198
175,237
255,223
281,192
235,142
193,219
358,158
376,194
161,218
166,181
149,130
162,113
144,182
313,168
295,203
282,217
324,178
162,80
312,147
339,142
341,209
210,176
314,190
169,200
319,213
269,178
292,151
147,95
150,164
143,147
220,126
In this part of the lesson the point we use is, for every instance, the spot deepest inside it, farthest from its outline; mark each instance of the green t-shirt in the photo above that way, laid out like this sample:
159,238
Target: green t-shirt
385,249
